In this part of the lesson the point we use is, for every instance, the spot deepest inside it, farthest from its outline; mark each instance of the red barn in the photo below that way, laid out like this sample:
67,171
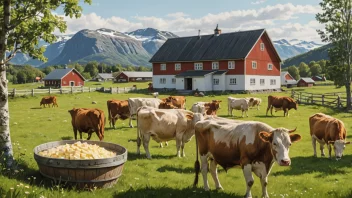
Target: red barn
305,82
63,78
244,60
127,76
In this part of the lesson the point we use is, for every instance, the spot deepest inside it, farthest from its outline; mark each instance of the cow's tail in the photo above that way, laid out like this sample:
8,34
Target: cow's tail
196,164
102,121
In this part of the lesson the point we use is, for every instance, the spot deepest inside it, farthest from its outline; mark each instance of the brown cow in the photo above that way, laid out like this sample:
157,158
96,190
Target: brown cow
254,146
178,101
328,130
167,105
88,121
284,102
47,100
117,109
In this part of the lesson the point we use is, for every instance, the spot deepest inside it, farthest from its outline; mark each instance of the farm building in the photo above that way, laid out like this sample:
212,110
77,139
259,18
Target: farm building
305,82
134,76
319,78
103,77
244,60
287,80
63,78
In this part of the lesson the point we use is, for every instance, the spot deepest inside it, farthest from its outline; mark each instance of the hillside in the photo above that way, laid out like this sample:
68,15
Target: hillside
313,55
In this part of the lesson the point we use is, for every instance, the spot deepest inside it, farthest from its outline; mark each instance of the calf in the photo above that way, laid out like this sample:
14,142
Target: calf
88,121
328,130
254,146
254,102
47,100
238,104
117,109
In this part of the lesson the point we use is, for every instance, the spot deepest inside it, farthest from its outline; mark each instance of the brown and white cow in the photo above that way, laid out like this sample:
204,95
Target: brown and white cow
238,104
254,102
328,130
178,101
135,103
88,121
117,109
207,108
47,100
254,146
165,125
284,102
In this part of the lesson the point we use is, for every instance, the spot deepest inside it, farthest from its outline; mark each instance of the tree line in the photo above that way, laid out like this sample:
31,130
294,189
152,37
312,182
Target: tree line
314,68
25,74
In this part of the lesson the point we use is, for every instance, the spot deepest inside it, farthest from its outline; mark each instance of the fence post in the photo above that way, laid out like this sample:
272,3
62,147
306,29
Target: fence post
71,90
338,101
300,96
124,89
32,92
322,99
89,89
311,99
292,94
49,90
60,90
82,89
111,90
14,92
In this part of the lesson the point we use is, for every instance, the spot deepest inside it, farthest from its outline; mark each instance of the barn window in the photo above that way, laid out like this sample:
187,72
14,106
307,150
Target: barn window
215,81
215,65
231,64
254,65
262,81
177,66
262,46
272,82
232,81
162,66
270,66
252,81
173,80
198,66
162,80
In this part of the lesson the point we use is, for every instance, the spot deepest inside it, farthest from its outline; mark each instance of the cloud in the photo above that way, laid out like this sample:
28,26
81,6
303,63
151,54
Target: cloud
278,19
258,2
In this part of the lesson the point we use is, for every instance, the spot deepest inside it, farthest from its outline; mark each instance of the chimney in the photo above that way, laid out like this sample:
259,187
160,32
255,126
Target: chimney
217,31
199,34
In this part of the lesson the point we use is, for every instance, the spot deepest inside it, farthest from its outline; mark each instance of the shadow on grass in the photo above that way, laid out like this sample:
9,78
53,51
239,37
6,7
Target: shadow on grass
67,138
134,156
36,108
322,165
167,168
170,192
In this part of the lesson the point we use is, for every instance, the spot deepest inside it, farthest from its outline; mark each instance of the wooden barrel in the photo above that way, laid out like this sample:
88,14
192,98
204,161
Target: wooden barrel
83,174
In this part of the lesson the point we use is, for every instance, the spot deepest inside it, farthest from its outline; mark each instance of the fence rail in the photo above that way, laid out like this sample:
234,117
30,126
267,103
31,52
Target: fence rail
70,90
337,99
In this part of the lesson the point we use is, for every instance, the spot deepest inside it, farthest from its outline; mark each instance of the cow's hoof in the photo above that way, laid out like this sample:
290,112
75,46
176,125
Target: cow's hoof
314,155
131,126
219,188
323,155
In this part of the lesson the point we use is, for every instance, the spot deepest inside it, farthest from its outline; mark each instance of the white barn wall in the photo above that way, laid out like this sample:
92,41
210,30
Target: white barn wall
168,84
240,82
222,83
257,85
199,83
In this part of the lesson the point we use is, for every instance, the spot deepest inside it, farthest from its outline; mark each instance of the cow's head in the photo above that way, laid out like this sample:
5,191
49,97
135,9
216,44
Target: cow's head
73,112
167,105
339,147
280,141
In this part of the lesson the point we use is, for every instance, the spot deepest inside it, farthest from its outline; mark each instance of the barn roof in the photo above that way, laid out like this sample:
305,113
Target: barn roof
138,74
308,80
105,75
58,74
226,46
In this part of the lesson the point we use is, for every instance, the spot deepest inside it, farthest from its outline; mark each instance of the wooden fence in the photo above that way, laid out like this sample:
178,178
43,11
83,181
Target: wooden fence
69,90
337,99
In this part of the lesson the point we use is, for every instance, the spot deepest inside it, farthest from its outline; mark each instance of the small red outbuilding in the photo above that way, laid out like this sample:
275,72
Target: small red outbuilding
64,78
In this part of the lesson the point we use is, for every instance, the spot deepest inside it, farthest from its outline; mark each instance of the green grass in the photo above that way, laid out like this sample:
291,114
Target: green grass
166,175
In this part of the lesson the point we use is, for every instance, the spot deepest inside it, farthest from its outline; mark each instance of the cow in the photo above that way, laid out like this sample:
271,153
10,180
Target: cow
155,94
284,102
165,125
167,105
135,103
254,102
178,101
117,109
88,121
328,130
237,104
207,108
47,100
254,146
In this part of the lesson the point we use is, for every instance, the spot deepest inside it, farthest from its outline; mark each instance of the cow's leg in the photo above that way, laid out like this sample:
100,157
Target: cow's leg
258,107
75,133
271,110
314,146
178,146
130,123
146,138
214,174
166,143
259,170
90,135
161,144
80,134
246,112
204,169
247,172
138,141
329,147
113,122
242,113
322,150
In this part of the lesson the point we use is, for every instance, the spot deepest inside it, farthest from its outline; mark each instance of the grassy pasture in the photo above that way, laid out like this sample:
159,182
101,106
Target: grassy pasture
166,175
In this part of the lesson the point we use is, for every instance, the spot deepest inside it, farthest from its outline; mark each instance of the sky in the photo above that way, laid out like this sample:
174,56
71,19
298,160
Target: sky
283,19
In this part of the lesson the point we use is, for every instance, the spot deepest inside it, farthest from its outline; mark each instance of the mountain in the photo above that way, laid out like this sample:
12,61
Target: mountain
291,48
313,55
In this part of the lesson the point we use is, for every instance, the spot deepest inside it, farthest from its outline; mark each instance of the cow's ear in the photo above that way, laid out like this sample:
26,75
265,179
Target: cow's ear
295,137
265,136
189,117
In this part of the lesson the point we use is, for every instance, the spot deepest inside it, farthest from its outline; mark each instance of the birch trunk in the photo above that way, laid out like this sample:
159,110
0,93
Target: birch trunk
5,139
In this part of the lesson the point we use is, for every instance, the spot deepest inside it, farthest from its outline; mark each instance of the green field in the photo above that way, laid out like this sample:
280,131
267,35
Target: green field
166,175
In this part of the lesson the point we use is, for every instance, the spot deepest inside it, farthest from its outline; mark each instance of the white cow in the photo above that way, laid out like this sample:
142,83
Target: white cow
254,146
135,103
199,107
165,125
238,104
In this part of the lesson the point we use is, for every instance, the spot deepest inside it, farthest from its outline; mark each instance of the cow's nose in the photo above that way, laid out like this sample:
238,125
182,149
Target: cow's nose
338,158
285,162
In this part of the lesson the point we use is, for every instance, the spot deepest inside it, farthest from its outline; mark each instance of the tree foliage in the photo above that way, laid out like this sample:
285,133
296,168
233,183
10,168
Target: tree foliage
315,69
294,72
304,70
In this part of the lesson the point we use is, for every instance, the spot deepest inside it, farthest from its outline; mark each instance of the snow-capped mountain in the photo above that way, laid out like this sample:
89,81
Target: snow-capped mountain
294,47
